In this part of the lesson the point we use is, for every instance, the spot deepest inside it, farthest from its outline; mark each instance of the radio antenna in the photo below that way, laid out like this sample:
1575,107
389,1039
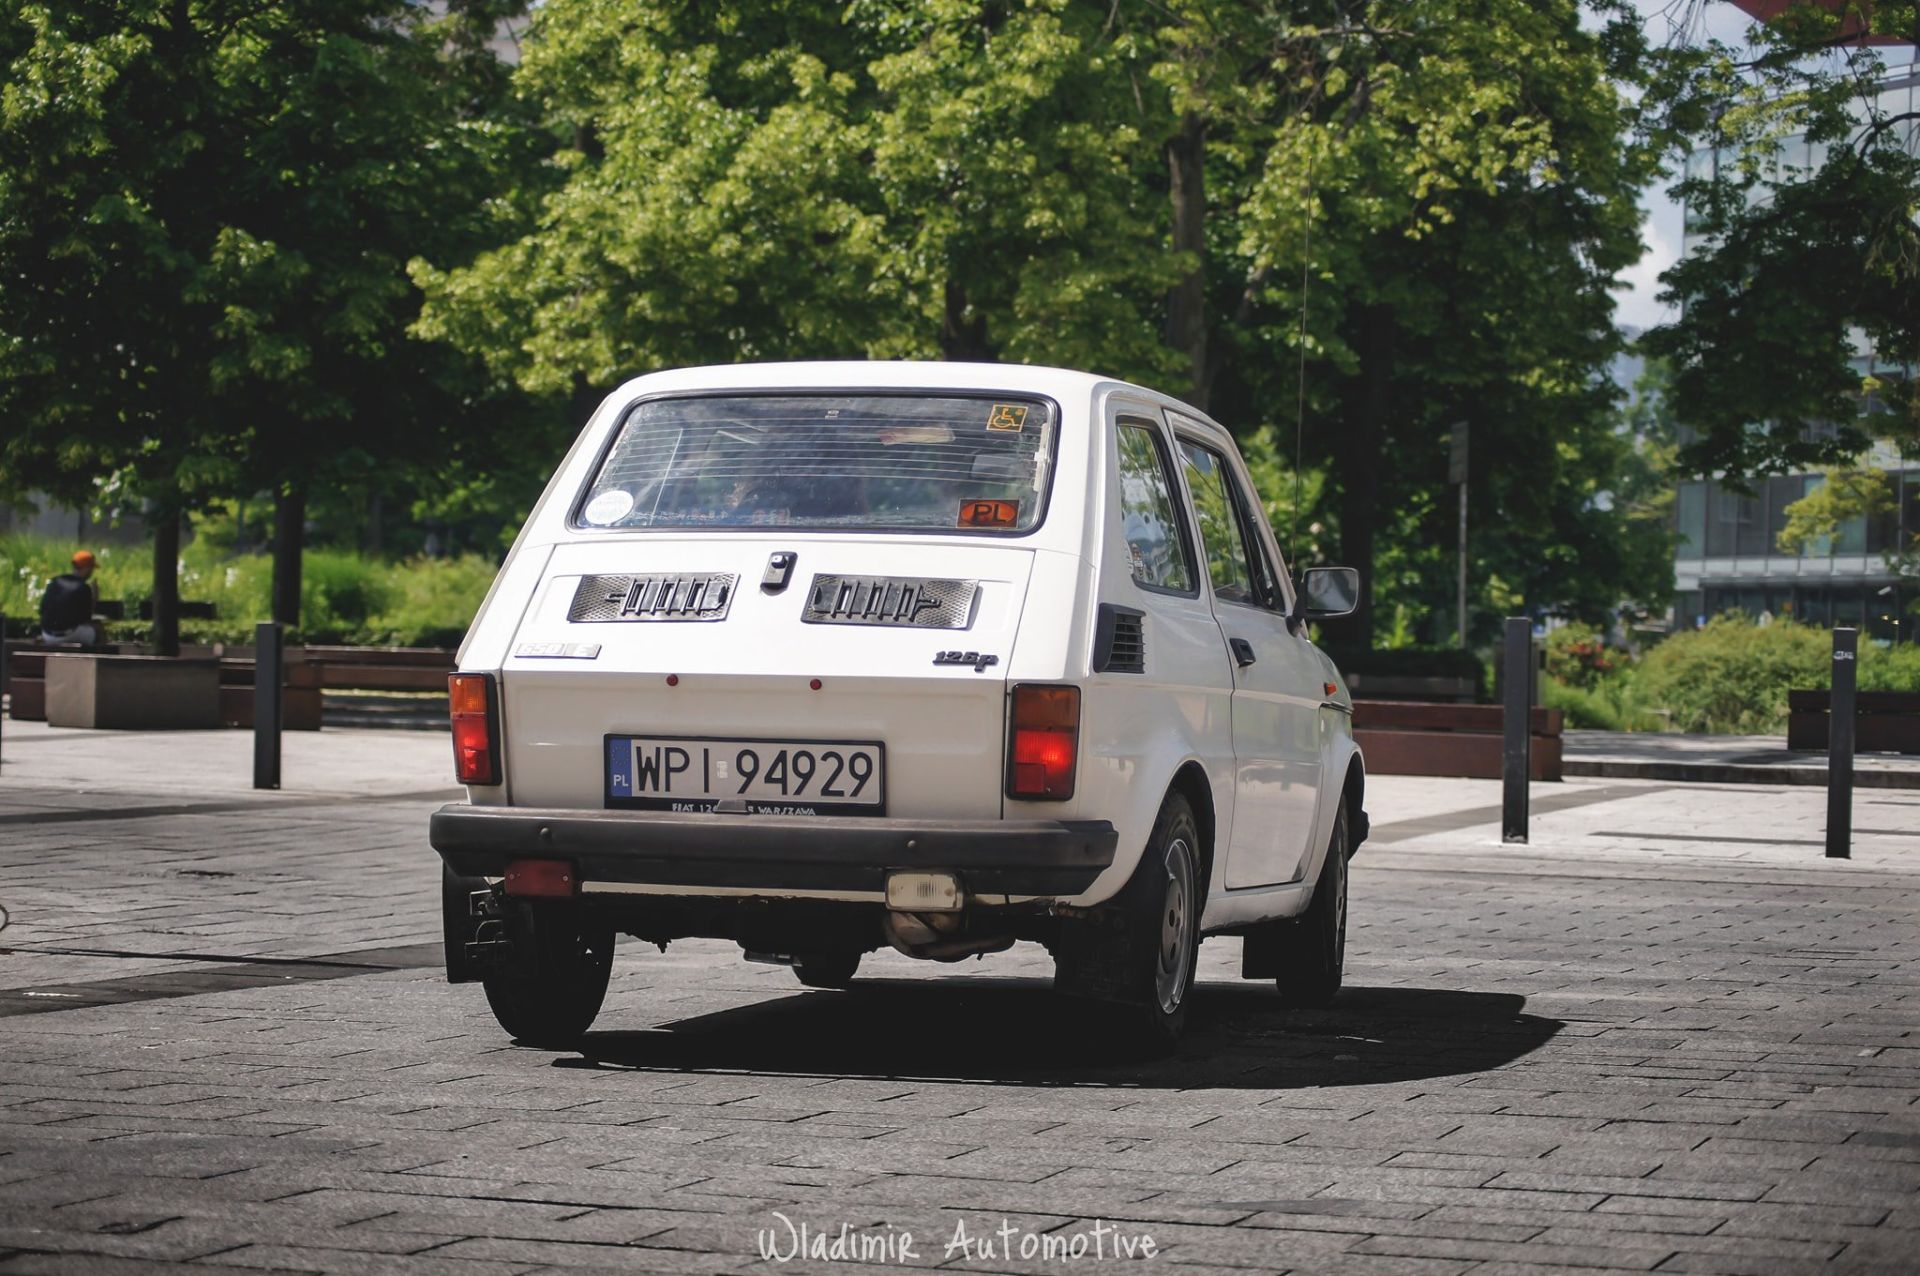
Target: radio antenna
1300,390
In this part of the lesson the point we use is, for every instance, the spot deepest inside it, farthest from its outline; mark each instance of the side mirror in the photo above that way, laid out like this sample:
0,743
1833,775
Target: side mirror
1327,592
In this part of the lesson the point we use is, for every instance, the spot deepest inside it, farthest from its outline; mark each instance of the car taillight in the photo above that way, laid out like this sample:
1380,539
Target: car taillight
1046,742
476,753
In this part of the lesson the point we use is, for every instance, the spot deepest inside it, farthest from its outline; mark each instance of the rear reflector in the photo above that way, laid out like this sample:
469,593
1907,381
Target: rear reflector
475,719
1045,743
915,892
542,878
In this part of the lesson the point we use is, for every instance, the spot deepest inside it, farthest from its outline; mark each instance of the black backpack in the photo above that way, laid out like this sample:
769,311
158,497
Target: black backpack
67,604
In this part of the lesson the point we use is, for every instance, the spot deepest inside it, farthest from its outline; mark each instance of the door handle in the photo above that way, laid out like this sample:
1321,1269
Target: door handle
1242,651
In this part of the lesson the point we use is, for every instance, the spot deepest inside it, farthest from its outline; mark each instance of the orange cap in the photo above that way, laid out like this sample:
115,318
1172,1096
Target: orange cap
83,558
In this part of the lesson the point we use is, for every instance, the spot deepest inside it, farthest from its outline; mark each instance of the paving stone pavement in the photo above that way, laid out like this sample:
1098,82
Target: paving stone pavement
1666,1036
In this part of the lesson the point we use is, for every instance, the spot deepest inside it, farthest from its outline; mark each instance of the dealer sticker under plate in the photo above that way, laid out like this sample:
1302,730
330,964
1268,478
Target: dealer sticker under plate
753,777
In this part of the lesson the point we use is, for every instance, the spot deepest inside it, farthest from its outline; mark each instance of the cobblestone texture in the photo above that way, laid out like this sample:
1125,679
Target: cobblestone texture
1630,1047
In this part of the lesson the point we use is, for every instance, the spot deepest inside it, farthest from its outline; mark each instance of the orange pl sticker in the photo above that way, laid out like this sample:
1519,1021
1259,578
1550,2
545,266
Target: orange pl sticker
989,513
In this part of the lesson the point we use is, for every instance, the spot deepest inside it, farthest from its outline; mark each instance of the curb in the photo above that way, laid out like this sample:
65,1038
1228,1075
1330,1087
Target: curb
1731,773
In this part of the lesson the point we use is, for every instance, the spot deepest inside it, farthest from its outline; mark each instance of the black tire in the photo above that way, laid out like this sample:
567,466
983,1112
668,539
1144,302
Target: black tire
1313,947
1162,906
827,970
456,921
556,977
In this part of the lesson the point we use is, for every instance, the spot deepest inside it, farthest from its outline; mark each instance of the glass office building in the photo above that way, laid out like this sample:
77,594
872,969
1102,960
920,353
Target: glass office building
1728,556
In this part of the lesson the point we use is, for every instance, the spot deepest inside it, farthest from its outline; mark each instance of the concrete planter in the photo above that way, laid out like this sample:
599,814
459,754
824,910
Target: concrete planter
132,693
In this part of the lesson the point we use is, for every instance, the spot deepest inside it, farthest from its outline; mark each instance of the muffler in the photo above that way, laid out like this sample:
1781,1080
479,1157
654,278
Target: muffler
939,937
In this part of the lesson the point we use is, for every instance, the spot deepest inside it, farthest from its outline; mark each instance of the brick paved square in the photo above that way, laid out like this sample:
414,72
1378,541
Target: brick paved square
226,1045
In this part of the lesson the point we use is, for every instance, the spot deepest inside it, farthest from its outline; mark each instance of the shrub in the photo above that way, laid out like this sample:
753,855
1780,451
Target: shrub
1890,668
1579,657
344,597
1733,675
1614,703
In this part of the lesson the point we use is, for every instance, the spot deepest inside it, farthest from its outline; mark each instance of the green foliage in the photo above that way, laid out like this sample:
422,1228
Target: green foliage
1163,191
1801,253
206,211
348,598
1890,668
1612,704
1846,494
1578,656
1733,675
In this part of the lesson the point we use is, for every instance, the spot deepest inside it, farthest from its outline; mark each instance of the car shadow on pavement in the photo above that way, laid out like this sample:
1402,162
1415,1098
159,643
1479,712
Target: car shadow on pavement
1018,1031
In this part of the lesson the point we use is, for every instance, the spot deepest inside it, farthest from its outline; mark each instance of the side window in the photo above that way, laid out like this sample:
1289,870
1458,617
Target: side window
1235,560
1155,544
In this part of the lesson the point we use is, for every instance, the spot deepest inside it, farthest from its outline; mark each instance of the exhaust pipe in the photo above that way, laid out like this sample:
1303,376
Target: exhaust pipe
938,937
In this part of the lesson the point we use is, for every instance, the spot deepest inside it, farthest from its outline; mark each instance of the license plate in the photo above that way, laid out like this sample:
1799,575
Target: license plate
755,777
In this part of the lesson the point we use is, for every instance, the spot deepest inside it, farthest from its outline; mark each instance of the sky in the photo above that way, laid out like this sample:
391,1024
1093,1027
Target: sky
1636,304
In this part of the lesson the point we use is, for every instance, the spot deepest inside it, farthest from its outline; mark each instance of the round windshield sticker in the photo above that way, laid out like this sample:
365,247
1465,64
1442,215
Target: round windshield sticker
609,507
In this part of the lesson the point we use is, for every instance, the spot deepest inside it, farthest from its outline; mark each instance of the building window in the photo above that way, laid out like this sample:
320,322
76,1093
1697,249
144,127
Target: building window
1690,519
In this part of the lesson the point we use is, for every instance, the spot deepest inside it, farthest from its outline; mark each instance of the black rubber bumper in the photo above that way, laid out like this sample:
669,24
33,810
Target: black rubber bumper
776,853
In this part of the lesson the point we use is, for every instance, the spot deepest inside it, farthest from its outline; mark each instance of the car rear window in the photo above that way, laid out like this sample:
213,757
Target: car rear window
872,462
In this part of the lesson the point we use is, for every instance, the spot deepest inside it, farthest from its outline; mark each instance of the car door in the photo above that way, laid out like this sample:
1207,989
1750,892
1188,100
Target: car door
1277,682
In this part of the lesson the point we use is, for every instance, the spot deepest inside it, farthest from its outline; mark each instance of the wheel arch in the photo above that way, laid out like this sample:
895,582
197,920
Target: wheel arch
1353,794
1190,781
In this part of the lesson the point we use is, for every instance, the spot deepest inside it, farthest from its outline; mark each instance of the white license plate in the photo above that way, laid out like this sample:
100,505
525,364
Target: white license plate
755,777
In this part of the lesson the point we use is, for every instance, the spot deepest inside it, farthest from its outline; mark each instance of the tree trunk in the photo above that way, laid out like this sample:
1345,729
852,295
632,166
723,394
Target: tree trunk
1358,453
166,581
962,338
289,539
373,537
1187,303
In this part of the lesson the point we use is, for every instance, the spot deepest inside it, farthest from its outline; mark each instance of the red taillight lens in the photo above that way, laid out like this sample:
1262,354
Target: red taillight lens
476,754
1046,743
547,878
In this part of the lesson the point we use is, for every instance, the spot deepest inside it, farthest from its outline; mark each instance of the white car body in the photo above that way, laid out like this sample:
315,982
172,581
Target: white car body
1264,750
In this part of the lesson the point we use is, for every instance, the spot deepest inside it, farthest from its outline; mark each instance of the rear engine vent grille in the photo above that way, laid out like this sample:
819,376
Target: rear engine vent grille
1120,640
908,601
669,596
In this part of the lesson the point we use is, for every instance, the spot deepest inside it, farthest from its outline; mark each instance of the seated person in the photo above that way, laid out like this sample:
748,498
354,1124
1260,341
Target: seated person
66,609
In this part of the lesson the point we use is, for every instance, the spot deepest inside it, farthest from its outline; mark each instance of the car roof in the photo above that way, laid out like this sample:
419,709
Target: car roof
888,374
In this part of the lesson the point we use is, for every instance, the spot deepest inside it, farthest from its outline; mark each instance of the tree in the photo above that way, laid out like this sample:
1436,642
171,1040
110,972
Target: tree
205,213
1806,209
1420,203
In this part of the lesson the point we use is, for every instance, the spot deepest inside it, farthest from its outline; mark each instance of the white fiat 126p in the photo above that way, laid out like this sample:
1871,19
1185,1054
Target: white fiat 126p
822,658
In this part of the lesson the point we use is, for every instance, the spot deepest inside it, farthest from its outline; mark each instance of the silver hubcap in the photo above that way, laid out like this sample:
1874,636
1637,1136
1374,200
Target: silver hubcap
1176,927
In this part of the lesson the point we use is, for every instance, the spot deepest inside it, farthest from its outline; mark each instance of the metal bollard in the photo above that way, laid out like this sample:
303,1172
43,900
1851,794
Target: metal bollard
267,677
1840,710
1517,729
5,686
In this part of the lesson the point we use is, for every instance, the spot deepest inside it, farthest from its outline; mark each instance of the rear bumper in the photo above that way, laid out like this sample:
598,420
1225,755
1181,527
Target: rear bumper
774,855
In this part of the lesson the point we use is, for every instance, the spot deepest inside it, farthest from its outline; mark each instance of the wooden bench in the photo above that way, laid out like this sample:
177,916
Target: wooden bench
1405,687
1407,738
299,694
382,668
1884,721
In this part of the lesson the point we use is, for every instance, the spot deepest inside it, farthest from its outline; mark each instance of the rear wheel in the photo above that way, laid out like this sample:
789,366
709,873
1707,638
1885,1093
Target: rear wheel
827,970
1161,906
552,983
1313,948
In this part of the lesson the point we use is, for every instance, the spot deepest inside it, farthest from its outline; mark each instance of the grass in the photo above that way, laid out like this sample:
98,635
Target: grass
344,597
